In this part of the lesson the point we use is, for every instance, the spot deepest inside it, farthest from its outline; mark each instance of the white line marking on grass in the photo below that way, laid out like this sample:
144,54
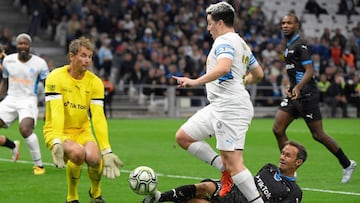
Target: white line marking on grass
196,178
331,191
24,162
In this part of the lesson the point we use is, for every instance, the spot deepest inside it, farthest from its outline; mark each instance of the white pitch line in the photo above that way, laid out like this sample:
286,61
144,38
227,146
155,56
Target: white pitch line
198,178
331,191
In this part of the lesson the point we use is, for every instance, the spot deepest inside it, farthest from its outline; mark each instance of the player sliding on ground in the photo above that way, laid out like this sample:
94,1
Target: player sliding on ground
276,184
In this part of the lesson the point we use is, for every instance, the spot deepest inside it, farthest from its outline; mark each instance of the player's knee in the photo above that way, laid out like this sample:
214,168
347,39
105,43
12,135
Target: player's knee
317,136
205,188
25,131
93,161
277,132
77,156
179,137
2,123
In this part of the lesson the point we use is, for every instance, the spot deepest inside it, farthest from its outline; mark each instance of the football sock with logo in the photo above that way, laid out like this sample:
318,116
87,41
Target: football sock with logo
246,184
179,194
32,143
73,173
203,151
95,177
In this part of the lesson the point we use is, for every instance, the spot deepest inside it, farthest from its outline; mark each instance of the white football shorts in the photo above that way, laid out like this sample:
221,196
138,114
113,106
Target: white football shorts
21,107
229,127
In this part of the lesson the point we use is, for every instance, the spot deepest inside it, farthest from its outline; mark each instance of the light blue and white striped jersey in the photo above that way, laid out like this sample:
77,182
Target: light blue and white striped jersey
24,77
229,88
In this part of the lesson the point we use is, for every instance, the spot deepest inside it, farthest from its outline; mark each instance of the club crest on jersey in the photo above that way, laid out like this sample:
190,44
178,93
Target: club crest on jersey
51,88
218,125
32,71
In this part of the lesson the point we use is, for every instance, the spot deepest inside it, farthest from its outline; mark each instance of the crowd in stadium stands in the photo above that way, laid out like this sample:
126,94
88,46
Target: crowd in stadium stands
145,42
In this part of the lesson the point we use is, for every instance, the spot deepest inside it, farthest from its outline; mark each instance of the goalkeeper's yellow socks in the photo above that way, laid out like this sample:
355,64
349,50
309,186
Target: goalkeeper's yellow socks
73,173
95,177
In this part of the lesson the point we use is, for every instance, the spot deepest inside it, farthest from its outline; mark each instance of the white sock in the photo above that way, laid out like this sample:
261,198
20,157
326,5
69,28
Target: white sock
203,151
32,143
246,184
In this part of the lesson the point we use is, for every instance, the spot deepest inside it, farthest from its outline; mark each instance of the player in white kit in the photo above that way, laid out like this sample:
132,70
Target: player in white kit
22,72
230,111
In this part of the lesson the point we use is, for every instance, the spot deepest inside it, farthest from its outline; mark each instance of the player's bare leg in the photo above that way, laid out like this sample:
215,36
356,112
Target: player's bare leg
282,121
316,129
242,177
31,139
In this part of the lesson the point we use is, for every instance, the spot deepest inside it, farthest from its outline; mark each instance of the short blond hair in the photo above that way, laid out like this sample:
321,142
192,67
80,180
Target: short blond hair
80,42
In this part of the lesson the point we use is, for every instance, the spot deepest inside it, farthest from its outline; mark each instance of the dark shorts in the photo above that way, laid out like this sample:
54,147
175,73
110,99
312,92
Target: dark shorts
306,107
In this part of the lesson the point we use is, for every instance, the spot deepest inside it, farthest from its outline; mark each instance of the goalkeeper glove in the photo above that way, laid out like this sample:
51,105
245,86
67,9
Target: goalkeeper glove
57,153
111,165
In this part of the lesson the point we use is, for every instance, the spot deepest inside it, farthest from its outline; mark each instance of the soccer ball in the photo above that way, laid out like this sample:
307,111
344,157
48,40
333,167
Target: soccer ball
143,180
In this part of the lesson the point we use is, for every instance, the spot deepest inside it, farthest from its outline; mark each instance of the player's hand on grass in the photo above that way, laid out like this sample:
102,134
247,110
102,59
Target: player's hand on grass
112,163
57,153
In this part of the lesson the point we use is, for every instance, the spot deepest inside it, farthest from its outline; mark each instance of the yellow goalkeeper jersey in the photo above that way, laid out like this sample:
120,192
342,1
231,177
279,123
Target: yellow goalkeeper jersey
71,102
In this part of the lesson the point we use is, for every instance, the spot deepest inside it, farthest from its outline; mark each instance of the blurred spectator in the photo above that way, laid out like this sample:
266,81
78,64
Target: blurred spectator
105,56
73,24
61,31
335,96
338,36
126,66
148,38
354,47
173,71
137,74
312,6
285,85
323,84
54,15
352,92
150,80
347,7
6,41
336,52
37,10
326,35
317,65
322,49
265,93
109,92
161,90
349,60
269,52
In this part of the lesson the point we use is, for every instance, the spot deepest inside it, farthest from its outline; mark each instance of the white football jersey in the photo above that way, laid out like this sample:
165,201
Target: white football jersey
229,89
24,77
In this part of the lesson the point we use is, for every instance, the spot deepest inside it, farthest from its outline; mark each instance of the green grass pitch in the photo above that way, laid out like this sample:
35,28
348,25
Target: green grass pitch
151,142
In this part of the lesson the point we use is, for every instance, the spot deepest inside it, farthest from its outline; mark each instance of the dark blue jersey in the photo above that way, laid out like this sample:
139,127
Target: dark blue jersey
297,54
272,185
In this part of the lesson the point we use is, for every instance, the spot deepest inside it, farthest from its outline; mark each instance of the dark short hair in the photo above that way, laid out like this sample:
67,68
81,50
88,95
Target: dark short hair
296,19
302,154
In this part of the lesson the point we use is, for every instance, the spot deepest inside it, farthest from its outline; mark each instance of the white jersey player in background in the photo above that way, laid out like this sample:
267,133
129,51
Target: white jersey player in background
230,111
22,72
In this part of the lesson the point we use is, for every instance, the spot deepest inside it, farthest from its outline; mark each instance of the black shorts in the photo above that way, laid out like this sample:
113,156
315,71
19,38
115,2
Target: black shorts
307,106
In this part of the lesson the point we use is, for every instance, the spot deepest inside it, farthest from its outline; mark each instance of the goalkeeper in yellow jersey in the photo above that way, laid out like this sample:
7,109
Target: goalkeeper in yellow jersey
73,95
